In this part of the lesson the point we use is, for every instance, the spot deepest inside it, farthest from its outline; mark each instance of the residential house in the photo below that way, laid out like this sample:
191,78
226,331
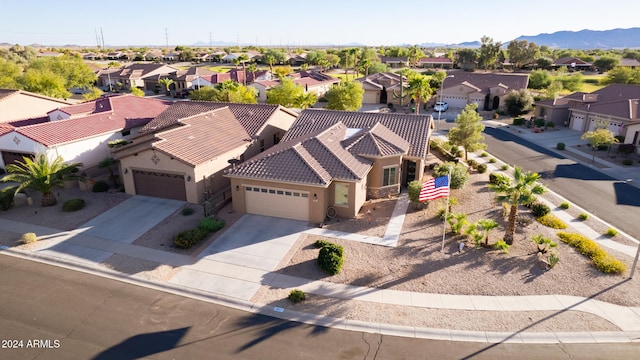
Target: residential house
436,62
182,153
614,107
296,59
394,62
488,90
383,88
20,104
79,133
233,74
133,75
332,160
313,82
572,64
630,63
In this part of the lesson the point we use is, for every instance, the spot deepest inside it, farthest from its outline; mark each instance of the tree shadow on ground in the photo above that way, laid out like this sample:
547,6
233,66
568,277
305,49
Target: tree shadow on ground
144,345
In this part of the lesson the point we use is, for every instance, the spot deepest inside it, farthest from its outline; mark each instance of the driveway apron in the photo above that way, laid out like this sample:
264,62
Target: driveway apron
131,218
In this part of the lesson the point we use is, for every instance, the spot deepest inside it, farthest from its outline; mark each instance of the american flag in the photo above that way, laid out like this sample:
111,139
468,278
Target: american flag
434,188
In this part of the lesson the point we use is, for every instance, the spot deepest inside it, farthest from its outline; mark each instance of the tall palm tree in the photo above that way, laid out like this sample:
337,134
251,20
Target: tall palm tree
252,68
520,190
420,90
42,175
243,58
269,59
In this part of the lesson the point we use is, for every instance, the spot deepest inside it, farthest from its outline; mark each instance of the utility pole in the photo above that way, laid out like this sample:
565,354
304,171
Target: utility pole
102,36
210,40
166,36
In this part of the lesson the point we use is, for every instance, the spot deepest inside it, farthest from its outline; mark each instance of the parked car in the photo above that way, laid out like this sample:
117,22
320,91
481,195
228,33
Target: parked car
440,106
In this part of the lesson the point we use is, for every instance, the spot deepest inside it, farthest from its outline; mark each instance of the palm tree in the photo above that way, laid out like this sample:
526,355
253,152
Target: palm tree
519,191
42,175
420,90
252,67
269,59
107,163
487,225
306,100
243,58
166,82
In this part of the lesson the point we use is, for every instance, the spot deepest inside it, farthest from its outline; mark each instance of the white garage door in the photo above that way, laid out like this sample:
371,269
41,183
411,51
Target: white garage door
458,102
577,122
370,97
282,203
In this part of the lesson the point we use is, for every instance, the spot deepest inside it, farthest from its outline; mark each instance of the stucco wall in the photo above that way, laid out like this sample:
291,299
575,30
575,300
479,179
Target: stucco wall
376,177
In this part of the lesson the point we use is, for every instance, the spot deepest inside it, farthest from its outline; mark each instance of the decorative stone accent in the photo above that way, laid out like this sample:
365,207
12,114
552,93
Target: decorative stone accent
155,159
383,192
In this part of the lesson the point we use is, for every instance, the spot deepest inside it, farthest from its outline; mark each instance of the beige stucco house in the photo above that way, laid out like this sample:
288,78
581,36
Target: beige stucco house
614,107
20,104
383,88
488,90
181,153
332,161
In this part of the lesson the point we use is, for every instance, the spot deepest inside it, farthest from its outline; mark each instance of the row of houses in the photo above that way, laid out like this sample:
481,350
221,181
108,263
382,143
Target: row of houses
262,154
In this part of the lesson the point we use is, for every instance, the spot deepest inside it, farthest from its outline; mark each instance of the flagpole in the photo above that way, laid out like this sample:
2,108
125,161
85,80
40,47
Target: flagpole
446,209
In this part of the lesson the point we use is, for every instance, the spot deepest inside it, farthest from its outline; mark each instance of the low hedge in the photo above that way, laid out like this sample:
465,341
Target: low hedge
601,260
552,221
211,224
100,186
188,238
73,205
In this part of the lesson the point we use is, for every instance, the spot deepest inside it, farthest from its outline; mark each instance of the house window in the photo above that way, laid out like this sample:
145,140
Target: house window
261,145
341,194
126,132
389,176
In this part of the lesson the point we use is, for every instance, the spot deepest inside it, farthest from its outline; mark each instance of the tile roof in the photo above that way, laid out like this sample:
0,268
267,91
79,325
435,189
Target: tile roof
126,112
412,128
6,93
378,81
251,116
203,137
315,159
377,141
486,81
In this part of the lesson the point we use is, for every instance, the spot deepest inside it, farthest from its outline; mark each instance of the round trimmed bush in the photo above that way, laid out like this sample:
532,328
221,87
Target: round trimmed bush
28,238
583,216
331,258
481,168
564,205
100,186
296,296
539,209
627,162
498,179
187,211
73,205
211,225
459,174
560,146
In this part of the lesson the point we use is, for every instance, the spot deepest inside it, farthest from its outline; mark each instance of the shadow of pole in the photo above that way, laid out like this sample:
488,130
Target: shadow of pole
545,319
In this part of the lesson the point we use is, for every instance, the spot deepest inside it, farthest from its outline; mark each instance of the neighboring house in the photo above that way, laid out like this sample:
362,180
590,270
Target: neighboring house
133,75
488,90
235,75
116,55
182,153
296,59
394,62
312,82
332,159
630,63
383,88
79,133
183,79
437,63
614,107
20,104
572,63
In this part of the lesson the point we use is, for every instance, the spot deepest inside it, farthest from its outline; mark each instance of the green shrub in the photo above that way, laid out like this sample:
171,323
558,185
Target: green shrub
459,174
553,259
626,149
413,190
484,154
100,186
331,258
117,143
493,160
552,221
502,245
620,138
28,238
73,205
497,178
583,216
550,124
320,243
543,244
524,220
538,122
2,171
611,232
6,197
296,296
560,146
472,163
504,167
564,205
188,238
210,224
601,260
539,209
187,211
518,121
481,168
627,162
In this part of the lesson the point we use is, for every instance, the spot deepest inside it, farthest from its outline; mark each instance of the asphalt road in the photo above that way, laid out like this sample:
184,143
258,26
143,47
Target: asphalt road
612,200
74,315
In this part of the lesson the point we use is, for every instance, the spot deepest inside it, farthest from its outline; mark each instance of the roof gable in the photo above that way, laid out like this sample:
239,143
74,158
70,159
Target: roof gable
377,141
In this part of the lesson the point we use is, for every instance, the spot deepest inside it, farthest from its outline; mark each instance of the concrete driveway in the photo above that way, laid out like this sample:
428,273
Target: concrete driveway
131,218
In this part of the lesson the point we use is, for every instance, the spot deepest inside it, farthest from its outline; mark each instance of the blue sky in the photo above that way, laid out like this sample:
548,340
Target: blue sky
299,23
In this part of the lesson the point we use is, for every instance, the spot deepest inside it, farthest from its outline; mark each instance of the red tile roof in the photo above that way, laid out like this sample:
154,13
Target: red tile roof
126,112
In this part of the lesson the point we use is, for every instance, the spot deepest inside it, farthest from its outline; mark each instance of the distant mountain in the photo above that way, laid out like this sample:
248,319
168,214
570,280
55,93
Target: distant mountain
588,39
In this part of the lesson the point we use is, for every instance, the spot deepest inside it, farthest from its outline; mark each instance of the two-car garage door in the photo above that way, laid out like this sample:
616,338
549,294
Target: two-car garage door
159,184
283,203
